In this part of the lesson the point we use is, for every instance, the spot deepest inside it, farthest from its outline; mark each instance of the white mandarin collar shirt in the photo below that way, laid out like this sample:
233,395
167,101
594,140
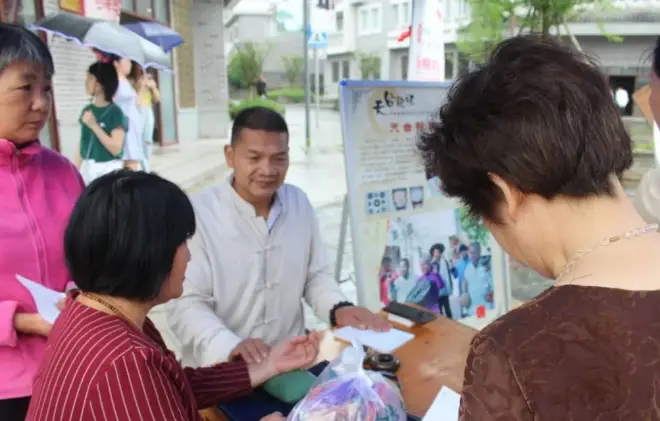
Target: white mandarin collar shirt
247,276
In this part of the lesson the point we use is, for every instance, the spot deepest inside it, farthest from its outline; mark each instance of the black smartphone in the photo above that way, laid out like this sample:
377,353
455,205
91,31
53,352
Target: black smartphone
413,314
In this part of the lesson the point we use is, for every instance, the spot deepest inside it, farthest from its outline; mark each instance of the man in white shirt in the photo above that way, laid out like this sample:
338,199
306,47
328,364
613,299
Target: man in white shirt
256,253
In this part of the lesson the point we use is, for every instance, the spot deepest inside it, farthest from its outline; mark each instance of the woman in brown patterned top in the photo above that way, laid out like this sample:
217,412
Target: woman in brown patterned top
533,143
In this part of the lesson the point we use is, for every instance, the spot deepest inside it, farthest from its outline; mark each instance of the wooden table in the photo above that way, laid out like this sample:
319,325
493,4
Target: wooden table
436,357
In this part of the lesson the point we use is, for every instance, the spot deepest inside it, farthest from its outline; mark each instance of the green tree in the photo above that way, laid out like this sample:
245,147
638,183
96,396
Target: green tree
293,69
246,64
369,66
474,228
493,20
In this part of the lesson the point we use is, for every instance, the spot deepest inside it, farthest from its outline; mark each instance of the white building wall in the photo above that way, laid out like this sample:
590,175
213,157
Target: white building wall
71,62
211,94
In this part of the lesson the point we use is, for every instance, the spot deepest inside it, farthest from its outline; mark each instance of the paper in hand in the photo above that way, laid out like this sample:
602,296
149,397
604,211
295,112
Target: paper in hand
380,341
45,298
445,406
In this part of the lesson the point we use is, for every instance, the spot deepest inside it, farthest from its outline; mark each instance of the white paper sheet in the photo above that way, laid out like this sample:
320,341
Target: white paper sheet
44,297
385,342
445,406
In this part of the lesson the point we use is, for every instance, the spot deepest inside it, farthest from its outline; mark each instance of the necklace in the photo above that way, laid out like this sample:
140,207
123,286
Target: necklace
110,307
628,235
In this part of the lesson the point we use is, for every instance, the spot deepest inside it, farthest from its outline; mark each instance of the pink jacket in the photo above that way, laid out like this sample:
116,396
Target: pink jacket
38,188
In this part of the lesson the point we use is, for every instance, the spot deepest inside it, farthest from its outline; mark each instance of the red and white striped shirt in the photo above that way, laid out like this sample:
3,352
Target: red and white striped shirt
98,367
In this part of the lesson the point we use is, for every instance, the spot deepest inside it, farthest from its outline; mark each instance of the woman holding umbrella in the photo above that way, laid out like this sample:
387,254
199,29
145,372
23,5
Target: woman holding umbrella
39,188
126,99
148,93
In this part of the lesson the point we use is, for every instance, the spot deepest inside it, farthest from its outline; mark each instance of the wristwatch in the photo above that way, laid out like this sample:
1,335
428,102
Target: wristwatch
341,304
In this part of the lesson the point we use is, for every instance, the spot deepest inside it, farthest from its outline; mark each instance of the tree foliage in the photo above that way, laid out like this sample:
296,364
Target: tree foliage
474,228
493,20
369,65
246,64
293,69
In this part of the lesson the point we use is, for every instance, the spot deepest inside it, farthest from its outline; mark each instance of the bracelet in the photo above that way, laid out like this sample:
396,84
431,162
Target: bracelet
341,304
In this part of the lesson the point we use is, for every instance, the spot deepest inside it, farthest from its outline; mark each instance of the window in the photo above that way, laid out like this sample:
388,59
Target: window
160,11
370,20
376,71
335,71
449,65
345,69
401,14
463,64
339,21
449,9
143,8
463,8
404,67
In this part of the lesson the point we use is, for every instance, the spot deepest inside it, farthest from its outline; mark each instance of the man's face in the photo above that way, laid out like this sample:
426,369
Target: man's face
260,161
475,254
436,254
464,254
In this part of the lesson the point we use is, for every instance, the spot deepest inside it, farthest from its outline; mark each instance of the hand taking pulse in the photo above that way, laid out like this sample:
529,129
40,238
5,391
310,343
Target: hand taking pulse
252,351
294,353
361,318
291,354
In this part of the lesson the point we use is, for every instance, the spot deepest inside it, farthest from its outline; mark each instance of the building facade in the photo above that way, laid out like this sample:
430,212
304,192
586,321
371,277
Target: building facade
371,27
194,101
260,21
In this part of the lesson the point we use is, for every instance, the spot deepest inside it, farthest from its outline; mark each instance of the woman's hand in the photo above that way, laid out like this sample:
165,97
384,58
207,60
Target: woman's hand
31,324
294,353
88,119
150,83
276,416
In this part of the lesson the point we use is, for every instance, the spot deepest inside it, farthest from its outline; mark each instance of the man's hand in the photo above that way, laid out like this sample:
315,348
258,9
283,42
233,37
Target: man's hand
31,324
361,318
253,351
276,416
294,353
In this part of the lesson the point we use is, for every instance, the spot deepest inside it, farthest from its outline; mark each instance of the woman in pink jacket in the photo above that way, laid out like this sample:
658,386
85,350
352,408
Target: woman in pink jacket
38,188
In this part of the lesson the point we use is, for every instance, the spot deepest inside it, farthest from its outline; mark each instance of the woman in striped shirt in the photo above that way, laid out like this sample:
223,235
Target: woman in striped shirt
126,249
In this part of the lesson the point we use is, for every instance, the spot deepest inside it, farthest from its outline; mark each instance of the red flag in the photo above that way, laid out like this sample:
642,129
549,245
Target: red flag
405,34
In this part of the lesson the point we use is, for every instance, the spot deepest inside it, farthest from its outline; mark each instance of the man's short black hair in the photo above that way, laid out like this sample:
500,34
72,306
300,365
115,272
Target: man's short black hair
437,246
106,75
20,44
536,114
124,232
463,248
258,118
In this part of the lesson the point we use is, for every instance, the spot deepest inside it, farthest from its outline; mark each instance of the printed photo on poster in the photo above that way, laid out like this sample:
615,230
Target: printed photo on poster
439,260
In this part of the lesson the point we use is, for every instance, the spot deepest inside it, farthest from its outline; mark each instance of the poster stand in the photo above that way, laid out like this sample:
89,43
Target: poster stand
399,215
341,246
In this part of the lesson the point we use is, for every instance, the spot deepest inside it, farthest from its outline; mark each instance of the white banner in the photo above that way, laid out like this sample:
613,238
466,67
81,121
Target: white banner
427,42
410,242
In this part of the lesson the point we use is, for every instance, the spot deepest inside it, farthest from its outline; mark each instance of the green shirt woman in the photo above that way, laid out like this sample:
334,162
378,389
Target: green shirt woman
103,125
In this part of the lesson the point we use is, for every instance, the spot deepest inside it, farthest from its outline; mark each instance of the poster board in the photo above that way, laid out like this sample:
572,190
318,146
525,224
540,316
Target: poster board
399,216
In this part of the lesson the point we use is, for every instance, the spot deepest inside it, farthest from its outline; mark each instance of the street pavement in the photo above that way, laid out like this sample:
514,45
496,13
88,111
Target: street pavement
320,172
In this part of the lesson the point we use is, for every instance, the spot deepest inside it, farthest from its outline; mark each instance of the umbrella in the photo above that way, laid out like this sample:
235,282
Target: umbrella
156,33
105,36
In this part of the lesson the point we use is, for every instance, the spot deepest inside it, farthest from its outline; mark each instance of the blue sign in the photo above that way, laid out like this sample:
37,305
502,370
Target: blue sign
316,39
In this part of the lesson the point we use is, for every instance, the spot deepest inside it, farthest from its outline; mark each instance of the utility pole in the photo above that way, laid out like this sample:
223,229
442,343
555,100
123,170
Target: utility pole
306,32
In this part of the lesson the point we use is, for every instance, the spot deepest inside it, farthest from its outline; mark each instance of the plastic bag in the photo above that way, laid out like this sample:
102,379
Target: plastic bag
345,391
